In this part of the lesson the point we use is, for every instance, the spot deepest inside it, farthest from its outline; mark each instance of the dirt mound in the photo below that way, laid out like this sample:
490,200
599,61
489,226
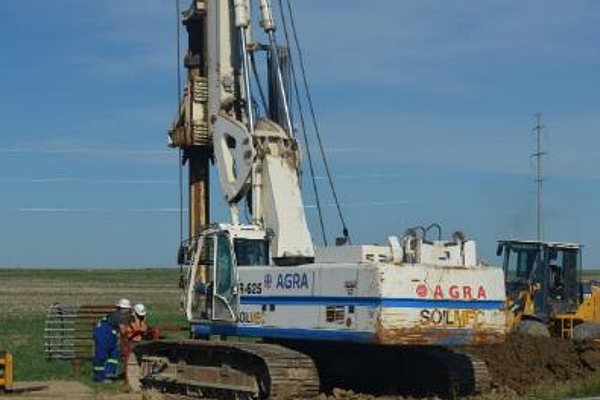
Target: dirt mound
525,361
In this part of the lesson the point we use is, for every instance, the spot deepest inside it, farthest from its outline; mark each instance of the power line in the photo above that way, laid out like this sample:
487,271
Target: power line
59,210
83,150
142,181
53,180
166,152
167,210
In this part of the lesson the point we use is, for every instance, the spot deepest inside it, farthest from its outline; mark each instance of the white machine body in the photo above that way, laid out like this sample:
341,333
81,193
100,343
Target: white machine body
350,293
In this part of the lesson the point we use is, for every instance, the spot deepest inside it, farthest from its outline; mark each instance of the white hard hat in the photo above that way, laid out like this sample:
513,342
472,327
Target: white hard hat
140,309
124,303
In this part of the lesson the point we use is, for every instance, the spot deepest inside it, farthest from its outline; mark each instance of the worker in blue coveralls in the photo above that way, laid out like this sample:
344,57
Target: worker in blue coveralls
106,341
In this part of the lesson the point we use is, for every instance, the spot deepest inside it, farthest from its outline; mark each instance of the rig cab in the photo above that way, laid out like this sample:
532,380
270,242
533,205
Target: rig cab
212,290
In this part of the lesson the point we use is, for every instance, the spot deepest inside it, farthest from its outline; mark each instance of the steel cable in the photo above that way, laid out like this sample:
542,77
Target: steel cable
314,120
180,158
303,127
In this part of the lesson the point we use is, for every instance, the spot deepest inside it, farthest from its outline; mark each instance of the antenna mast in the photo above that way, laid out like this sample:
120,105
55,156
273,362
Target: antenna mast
537,129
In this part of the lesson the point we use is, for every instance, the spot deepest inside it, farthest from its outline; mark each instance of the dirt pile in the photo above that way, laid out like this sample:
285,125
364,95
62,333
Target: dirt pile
524,361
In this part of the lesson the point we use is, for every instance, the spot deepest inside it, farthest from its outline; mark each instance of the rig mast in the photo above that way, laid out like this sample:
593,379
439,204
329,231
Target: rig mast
190,131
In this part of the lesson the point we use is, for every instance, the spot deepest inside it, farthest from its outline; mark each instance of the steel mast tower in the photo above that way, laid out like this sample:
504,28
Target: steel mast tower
190,132
539,180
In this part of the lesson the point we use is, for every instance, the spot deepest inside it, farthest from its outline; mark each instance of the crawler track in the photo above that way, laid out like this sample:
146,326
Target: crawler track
227,370
465,374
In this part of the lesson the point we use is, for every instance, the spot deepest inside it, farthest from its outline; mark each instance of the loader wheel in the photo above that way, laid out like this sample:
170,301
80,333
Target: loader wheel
586,331
532,328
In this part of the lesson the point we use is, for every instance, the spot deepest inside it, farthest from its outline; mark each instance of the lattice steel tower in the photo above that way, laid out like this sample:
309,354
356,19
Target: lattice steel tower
539,180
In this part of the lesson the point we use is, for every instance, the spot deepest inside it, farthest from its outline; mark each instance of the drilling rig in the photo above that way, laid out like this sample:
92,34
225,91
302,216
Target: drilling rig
302,318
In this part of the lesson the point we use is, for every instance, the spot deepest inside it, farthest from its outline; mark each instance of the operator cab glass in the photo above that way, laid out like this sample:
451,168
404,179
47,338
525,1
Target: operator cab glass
224,268
251,252
521,268
553,268
202,288
563,278
215,295
225,297
520,261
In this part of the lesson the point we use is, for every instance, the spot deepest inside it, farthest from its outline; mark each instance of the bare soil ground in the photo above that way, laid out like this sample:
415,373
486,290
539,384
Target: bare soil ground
523,361
63,390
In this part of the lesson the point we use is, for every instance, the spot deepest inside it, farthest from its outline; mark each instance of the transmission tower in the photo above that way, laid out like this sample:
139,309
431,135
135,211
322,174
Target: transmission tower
539,179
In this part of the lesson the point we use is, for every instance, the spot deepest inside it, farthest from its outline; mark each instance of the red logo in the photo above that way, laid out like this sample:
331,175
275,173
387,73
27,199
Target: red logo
455,292
422,290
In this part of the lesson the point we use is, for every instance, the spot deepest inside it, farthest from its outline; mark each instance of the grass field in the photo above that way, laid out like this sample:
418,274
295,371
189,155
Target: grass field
26,294
590,274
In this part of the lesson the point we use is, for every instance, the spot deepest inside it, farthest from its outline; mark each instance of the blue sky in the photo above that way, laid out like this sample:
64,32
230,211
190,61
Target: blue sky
426,109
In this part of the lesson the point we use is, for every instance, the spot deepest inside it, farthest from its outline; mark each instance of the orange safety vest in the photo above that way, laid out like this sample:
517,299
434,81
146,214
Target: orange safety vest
136,328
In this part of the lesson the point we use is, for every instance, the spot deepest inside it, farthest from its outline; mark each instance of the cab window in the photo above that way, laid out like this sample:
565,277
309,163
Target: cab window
207,252
224,267
521,261
251,252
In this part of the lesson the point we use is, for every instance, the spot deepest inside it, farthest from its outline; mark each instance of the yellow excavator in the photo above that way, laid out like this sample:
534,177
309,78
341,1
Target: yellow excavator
545,292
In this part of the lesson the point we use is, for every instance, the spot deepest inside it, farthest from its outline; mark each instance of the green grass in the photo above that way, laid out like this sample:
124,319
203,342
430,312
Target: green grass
590,387
29,292
23,337
558,391
590,274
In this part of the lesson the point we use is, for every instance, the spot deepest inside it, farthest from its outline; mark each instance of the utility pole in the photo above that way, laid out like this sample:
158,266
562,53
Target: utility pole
539,180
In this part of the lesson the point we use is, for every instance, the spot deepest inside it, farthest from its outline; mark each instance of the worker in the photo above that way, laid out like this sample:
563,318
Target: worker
106,341
138,326
138,330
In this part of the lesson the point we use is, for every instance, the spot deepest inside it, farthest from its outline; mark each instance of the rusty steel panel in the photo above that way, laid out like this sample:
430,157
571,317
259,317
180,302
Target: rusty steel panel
437,337
400,328
441,306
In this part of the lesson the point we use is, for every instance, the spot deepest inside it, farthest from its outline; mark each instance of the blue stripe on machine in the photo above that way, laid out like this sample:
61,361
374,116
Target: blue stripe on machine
283,333
373,302
455,337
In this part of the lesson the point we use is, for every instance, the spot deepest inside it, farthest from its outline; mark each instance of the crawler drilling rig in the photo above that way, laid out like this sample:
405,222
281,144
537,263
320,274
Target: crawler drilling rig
318,317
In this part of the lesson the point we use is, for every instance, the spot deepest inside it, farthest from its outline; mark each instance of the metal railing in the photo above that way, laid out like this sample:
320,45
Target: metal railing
68,330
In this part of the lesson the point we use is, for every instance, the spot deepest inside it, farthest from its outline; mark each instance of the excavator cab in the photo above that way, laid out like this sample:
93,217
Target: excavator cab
212,283
542,278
